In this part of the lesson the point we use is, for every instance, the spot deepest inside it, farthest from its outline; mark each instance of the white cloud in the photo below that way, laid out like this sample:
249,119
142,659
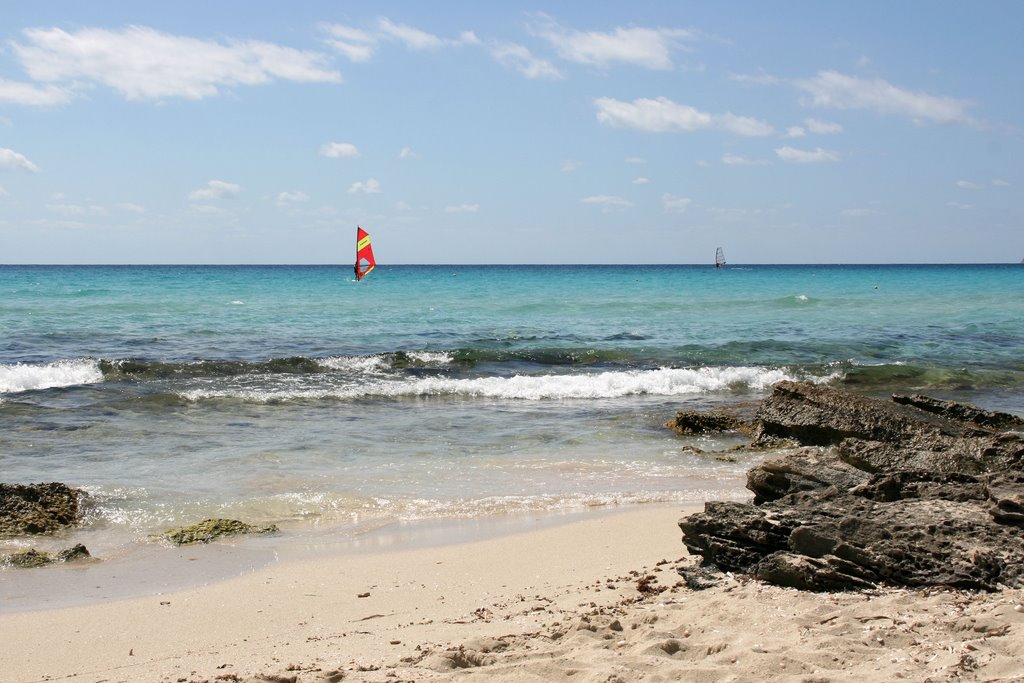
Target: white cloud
215,189
608,202
288,198
635,160
958,205
999,182
641,181
462,208
371,186
800,156
131,208
662,115
518,57
29,95
3,192
70,210
339,150
858,213
407,153
839,91
145,64
760,78
675,204
11,159
730,159
650,48
413,38
570,165
359,46
967,185
355,44
819,127
795,132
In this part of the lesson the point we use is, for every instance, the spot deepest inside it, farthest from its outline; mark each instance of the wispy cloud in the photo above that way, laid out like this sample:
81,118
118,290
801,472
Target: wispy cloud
662,115
359,45
800,156
339,150
819,127
570,165
608,202
289,198
999,182
650,48
730,159
641,181
355,44
15,160
519,57
75,210
370,186
462,208
675,204
29,95
142,63
960,206
407,153
967,185
215,189
839,91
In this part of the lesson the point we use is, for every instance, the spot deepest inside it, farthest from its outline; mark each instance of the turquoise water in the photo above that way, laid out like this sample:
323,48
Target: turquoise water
297,396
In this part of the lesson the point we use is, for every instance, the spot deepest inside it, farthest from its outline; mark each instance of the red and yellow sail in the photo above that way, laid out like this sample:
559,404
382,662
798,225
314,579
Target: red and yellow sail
364,254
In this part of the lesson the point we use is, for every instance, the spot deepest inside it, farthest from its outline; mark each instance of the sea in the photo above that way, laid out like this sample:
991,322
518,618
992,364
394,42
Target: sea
426,400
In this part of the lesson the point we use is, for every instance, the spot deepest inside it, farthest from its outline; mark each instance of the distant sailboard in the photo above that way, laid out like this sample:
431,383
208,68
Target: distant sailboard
719,258
364,254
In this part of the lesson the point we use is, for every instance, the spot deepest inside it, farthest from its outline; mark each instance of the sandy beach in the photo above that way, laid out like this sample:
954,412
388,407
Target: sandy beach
594,599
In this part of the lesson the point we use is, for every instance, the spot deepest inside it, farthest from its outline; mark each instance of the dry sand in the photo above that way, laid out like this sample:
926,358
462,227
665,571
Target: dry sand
597,599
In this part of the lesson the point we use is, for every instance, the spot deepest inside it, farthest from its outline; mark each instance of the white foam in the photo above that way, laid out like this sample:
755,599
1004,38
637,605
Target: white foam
617,384
355,364
33,377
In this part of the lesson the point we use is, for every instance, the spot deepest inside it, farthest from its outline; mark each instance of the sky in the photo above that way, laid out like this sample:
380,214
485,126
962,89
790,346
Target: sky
230,131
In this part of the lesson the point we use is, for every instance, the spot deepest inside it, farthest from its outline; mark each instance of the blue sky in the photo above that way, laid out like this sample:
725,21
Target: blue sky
469,132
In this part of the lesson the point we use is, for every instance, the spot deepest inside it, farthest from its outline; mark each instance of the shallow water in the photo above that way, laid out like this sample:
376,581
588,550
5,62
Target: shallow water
296,396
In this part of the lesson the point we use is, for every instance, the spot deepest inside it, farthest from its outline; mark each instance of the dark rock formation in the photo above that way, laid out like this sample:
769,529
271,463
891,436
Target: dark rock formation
211,529
27,559
696,422
914,492
38,508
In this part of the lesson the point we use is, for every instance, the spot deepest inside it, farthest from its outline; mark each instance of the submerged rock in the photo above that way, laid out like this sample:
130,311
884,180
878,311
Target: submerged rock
27,559
696,422
211,529
913,492
38,508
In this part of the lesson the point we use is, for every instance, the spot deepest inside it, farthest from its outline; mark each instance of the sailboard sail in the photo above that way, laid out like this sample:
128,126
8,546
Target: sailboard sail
719,258
364,254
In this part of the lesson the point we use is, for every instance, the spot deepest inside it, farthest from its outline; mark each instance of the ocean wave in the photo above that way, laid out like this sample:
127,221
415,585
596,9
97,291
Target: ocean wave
36,376
612,384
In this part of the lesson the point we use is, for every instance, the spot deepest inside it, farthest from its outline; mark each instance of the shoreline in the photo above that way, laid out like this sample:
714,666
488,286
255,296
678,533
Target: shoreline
597,598
158,568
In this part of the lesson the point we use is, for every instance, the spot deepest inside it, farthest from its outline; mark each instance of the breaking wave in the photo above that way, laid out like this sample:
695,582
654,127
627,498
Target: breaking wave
613,384
35,376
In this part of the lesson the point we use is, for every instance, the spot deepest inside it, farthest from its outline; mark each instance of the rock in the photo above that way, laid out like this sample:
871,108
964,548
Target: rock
697,422
914,492
803,470
211,529
964,412
38,508
31,558
822,416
